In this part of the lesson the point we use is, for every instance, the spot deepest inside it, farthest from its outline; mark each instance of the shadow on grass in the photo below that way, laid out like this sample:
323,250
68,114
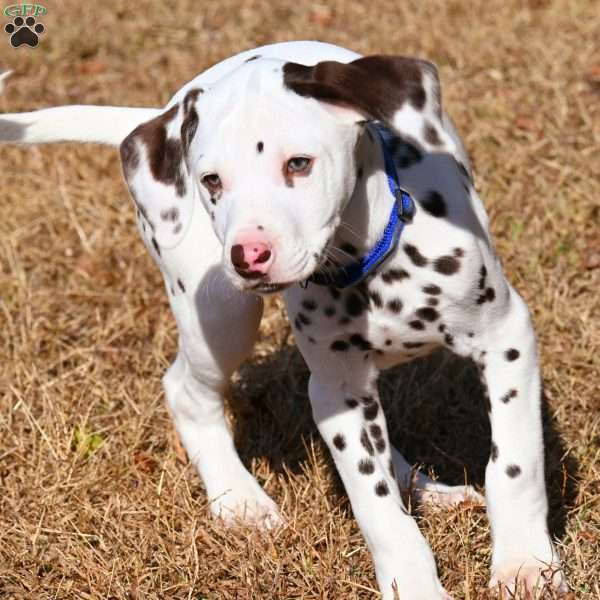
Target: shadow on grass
435,413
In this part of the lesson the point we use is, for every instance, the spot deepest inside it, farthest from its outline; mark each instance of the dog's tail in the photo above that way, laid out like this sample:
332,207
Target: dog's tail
94,124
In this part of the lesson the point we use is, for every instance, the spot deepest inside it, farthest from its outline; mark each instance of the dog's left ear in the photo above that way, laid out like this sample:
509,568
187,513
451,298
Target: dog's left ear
155,165
403,93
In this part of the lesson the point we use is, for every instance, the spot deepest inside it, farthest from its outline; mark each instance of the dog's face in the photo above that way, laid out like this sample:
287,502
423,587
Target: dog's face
270,151
274,170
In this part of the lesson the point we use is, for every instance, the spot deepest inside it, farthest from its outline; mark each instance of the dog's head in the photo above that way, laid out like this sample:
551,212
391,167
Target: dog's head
270,151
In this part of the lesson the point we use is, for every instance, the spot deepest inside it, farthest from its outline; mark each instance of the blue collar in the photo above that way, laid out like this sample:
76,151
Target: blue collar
402,213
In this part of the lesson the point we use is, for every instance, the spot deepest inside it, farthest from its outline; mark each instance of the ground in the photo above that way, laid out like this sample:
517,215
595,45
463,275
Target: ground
97,499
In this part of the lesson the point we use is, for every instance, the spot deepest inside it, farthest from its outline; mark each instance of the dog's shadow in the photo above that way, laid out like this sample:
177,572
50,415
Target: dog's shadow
435,413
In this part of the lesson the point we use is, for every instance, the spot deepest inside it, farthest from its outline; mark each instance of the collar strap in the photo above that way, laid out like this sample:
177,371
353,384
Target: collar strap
402,213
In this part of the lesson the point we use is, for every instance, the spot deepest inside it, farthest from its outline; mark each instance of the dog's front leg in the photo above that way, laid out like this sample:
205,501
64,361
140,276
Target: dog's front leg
352,423
217,330
523,553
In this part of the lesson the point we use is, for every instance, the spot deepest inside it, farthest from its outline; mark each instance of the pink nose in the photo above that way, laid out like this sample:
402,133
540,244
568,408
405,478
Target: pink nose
251,259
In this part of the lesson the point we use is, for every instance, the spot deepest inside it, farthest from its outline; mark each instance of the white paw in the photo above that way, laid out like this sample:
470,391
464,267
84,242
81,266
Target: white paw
448,495
527,576
246,504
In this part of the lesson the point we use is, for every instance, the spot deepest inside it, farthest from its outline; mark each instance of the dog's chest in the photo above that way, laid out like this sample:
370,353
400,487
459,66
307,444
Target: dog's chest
397,314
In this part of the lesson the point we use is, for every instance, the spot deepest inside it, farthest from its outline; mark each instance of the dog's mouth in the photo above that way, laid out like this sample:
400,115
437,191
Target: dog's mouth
269,288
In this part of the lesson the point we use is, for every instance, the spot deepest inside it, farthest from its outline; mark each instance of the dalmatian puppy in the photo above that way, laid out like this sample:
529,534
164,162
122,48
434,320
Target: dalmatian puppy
338,180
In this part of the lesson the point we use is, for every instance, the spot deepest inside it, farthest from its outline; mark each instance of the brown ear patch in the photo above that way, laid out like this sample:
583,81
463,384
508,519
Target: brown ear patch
377,86
164,154
190,118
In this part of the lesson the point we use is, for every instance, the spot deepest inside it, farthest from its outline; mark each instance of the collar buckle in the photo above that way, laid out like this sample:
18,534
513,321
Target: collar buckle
405,205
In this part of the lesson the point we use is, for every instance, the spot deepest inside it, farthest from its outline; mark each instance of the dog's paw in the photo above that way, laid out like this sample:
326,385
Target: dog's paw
528,578
442,495
247,505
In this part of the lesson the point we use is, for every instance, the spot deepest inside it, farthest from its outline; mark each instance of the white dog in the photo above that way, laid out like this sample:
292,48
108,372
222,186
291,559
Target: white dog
339,179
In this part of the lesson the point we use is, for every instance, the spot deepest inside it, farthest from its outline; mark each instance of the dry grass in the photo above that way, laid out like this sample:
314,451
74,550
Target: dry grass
97,499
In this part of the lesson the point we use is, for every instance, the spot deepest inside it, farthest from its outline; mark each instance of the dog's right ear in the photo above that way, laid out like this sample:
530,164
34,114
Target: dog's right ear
154,159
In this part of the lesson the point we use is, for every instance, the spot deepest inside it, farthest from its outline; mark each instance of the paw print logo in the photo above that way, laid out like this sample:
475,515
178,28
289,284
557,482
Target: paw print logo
24,32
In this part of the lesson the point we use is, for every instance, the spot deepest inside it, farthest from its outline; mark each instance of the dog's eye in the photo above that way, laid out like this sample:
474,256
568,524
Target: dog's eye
298,164
212,182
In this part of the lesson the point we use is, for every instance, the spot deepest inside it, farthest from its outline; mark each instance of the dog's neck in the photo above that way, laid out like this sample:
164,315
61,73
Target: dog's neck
368,211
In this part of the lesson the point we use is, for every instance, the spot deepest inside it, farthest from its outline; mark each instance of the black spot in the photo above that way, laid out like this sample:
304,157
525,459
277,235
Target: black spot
392,275
428,314
512,354
388,342
406,155
339,442
376,299
395,305
434,204
441,328
415,256
381,488
180,284
359,173
494,453
446,265
297,324
449,340
348,249
213,200
309,304
370,411
359,341
380,445
486,399
434,290
419,325
483,271
303,319
391,469
433,301
335,293
354,305
311,339
508,396
513,471
170,214
329,311
366,466
488,296
260,228
366,442
260,147
410,345
351,402
431,135
375,430
156,247
471,334
339,346
459,252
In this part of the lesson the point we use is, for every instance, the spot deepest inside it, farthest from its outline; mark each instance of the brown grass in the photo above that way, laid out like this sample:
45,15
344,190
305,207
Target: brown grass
97,499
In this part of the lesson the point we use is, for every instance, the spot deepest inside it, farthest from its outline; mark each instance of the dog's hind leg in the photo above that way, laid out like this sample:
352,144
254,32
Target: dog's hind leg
426,490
